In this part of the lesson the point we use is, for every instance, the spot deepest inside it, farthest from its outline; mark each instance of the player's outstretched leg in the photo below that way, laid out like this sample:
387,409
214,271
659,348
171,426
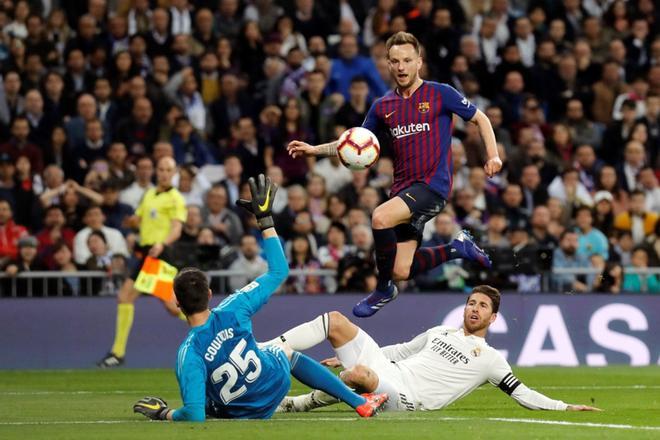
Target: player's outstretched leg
316,376
383,221
462,246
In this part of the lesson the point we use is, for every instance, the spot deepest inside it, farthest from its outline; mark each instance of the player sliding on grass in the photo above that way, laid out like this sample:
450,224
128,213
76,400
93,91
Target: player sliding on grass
417,115
222,373
430,372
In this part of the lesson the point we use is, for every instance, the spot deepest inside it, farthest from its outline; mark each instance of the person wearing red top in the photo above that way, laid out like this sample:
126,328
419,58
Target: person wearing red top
10,233
53,233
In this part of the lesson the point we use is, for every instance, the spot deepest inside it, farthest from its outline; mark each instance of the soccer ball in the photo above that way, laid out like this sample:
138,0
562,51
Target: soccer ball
358,148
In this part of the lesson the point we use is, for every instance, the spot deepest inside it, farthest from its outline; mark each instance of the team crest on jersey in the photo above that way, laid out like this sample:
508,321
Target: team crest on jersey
476,352
424,107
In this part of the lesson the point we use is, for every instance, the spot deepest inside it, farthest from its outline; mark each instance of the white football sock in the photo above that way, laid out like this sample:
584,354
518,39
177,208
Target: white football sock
310,401
305,335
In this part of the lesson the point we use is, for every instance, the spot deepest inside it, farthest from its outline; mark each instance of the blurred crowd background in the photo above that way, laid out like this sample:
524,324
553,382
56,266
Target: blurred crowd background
95,92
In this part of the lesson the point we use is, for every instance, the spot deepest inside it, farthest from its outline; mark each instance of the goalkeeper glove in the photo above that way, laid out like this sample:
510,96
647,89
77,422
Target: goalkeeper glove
154,408
261,205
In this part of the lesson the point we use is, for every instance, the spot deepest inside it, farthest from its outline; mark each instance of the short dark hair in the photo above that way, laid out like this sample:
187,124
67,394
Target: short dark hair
491,293
191,288
98,234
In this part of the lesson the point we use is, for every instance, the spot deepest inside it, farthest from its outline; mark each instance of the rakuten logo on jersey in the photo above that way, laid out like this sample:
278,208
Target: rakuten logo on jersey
401,131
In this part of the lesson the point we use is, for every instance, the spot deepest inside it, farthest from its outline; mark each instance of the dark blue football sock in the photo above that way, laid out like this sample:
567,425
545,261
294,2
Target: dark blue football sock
427,258
385,243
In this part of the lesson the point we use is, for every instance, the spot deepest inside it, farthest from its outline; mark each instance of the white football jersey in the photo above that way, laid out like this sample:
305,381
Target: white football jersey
443,365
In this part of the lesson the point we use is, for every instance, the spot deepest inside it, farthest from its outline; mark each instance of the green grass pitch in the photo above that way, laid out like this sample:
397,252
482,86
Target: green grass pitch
89,404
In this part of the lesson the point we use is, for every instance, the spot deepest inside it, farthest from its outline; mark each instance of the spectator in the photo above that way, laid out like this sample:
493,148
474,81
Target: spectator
583,131
189,147
100,255
275,175
26,261
588,166
512,198
617,132
226,110
648,183
75,127
233,177
354,111
335,174
357,270
54,232
10,233
91,148
634,160
526,277
317,202
569,190
144,171
590,240
12,103
637,220
494,236
139,130
41,124
193,224
249,263
19,144
192,192
534,193
638,283
609,182
541,224
182,90
611,278
159,39
297,202
252,151
318,108
351,64
567,256
116,213
302,259
605,92
95,221
226,225
63,262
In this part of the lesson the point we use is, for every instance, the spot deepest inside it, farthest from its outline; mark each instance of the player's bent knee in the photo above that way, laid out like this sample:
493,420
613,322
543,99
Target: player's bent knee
340,329
380,219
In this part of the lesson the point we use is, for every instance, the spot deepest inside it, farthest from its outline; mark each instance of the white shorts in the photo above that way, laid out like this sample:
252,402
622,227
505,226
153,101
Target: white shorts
363,350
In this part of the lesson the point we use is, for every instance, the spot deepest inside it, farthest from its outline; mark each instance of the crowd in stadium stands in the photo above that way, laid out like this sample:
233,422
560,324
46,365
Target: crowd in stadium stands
94,93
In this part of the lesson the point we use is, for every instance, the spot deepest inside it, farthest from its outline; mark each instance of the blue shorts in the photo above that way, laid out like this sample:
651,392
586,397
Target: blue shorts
277,384
424,204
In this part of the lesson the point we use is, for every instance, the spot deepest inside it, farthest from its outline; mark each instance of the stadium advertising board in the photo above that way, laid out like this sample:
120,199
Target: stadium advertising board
530,330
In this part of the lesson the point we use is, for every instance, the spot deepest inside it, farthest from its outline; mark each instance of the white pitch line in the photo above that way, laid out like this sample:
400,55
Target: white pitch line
67,393
354,419
545,387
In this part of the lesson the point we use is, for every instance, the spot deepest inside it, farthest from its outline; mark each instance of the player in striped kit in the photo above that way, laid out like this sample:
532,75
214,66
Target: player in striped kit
417,115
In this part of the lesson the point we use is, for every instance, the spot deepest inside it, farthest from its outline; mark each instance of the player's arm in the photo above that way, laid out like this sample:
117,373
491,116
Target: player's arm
456,103
252,297
493,163
399,352
299,148
501,376
190,374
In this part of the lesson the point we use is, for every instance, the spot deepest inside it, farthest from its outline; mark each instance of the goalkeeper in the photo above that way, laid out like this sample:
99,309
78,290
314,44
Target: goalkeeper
221,371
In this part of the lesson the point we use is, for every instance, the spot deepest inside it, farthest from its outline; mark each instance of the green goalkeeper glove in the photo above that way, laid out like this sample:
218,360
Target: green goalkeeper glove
261,205
154,408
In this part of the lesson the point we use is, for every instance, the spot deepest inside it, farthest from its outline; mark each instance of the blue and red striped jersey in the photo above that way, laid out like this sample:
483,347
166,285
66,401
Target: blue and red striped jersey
421,129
